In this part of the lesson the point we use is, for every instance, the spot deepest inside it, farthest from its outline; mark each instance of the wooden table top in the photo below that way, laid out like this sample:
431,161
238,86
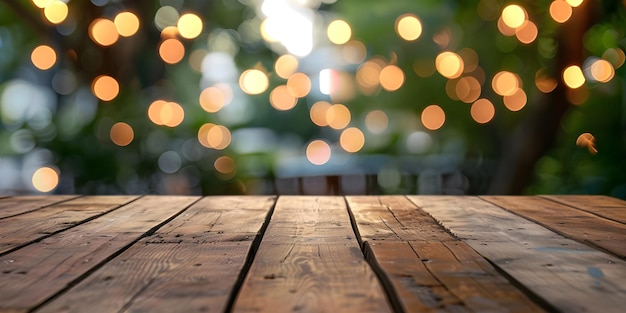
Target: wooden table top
312,254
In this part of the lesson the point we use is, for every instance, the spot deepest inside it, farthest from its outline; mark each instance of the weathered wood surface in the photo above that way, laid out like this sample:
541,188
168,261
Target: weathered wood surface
12,206
611,208
25,282
26,228
576,224
191,264
309,261
312,253
567,275
430,270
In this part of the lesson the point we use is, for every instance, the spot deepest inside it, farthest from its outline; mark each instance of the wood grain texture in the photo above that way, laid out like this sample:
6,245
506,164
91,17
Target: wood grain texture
570,222
23,229
428,269
568,275
310,261
12,206
608,207
189,265
31,275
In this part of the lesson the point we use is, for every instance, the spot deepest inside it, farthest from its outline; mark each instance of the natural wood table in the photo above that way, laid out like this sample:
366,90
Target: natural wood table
312,254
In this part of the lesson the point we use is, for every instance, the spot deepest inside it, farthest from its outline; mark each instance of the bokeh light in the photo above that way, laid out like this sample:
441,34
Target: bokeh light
544,83
575,3
161,112
105,87
482,111
253,82
602,71
449,64
121,134
318,152
573,76
376,121
339,32
560,11
505,29
286,65
214,98
467,89
103,32
171,51
352,139
433,117
527,33
513,15
318,113
45,179
587,140
391,78
515,101
505,83
282,99
299,85
166,16
408,27
43,57
127,24
338,116
354,52
214,136
189,26
226,166
55,11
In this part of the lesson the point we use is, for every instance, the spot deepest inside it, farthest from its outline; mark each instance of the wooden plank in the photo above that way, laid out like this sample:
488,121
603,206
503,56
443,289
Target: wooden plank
26,228
570,222
189,265
21,204
31,275
429,270
568,275
310,261
608,207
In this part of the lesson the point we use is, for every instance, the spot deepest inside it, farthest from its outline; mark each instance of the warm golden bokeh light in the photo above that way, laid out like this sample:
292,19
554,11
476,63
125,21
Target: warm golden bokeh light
171,51
318,113
354,52
543,82
505,83
105,88
449,64
573,76
408,27
212,99
587,140
43,57
214,136
616,56
352,140
189,26
40,3
299,85
253,82
433,117
165,113
368,74
504,29
516,101
285,66
45,179
470,59
560,11
575,3
482,111
338,116
376,121
103,32
318,152
169,32
127,24
527,33
339,32
122,134
467,89
226,166
513,15
391,78
602,71
282,99
56,11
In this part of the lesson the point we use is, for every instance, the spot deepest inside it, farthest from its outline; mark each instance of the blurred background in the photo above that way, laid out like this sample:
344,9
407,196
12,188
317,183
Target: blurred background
313,96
